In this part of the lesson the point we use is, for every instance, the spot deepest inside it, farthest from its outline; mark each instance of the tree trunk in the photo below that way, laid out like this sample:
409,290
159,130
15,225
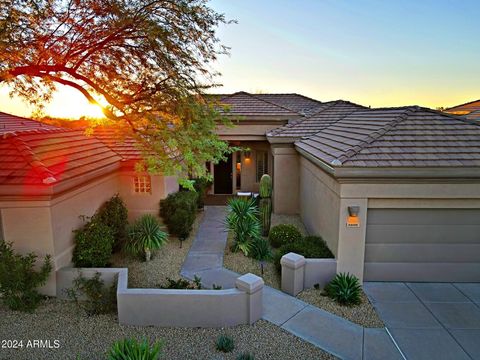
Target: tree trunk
148,254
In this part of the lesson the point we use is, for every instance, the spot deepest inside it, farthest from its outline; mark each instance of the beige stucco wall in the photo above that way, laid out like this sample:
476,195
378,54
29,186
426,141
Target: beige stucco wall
286,179
319,203
139,204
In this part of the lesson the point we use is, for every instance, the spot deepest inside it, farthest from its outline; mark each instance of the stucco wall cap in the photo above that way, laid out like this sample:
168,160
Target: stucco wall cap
292,260
250,283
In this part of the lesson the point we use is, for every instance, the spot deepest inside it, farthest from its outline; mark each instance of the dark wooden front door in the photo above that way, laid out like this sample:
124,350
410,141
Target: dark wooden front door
222,176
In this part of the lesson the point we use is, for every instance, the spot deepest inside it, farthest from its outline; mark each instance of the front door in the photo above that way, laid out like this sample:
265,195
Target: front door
222,176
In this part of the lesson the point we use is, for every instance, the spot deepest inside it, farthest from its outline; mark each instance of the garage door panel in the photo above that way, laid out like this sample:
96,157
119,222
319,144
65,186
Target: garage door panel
422,253
422,245
443,234
424,216
441,272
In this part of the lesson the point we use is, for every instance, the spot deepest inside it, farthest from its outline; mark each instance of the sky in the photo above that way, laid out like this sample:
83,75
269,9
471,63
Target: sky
372,52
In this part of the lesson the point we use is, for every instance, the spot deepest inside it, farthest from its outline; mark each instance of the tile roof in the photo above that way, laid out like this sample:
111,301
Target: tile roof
466,108
33,155
11,123
271,105
123,145
397,137
322,117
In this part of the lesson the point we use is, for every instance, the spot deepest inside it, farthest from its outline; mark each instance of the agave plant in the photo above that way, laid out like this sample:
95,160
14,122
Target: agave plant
132,349
145,235
261,251
345,289
243,221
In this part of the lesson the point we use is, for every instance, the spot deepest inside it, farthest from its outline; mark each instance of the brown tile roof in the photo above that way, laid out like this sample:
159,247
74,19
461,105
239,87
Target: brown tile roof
323,116
397,137
11,123
271,105
465,108
123,145
43,155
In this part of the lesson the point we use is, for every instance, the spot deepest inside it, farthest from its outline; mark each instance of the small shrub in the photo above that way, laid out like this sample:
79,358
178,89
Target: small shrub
18,279
261,251
178,212
345,289
243,221
224,343
132,349
92,296
114,214
182,284
145,235
310,247
217,287
201,185
245,356
284,234
93,244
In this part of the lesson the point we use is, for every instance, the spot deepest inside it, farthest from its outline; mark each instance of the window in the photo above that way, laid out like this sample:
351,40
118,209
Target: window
142,184
262,164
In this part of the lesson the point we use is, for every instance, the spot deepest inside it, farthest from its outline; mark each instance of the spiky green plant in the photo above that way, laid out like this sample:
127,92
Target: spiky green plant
131,349
266,203
345,289
145,235
245,356
242,220
224,343
261,251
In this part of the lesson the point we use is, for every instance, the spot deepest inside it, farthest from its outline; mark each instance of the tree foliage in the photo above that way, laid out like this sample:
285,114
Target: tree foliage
145,63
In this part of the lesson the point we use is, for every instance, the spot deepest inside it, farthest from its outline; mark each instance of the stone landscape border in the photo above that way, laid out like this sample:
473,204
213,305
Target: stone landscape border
299,273
176,308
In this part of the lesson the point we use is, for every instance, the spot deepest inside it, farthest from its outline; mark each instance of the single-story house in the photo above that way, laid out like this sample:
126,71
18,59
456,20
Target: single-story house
395,192
50,177
469,110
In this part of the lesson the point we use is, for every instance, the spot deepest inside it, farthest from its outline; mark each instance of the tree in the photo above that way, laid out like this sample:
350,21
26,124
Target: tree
146,63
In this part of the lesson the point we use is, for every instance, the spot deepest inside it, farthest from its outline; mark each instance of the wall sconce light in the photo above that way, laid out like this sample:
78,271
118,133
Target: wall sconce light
353,220
247,155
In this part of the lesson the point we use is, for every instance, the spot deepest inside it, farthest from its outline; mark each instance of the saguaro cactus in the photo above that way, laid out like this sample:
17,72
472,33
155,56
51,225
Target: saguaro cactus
266,203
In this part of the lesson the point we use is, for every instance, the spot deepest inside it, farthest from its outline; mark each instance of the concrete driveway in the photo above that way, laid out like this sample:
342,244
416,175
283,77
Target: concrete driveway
430,320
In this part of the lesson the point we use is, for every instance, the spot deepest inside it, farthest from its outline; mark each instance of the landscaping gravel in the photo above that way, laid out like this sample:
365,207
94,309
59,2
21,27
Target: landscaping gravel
166,262
82,337
363,314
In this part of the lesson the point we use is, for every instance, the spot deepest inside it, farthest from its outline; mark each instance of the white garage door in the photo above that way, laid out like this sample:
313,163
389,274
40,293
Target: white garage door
422,245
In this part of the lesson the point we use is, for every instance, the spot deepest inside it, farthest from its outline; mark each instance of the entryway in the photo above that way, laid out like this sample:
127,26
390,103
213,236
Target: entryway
222,176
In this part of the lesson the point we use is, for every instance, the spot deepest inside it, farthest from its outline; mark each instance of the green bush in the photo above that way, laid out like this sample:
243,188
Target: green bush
284,234
224,343
261,251
114,214
18,279
183,284
344,289
245,356
131,349
243,221
92,296
178,212
145,235
309,246
93,244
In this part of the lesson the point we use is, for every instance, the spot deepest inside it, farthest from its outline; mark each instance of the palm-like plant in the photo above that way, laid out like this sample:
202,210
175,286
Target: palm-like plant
145,235
243,221
261,251
134,350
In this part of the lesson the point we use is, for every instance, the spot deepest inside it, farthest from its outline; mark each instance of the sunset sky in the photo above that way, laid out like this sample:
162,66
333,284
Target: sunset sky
372,52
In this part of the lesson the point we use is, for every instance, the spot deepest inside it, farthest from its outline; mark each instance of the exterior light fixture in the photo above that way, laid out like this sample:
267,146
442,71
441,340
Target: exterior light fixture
247,155
353,220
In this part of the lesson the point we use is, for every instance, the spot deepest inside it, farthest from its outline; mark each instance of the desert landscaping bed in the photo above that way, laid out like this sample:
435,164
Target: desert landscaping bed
83,337
166,262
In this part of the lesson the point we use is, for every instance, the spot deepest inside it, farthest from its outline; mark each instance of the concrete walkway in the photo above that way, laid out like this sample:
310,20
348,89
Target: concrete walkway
430,320
331,333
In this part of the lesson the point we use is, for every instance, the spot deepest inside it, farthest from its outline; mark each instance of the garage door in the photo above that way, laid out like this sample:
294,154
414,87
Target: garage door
422,245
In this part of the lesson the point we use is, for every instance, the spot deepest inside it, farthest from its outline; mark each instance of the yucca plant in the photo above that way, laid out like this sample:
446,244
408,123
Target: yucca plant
245,356
261,251
131,349
243,221
345,289
145,235
224,343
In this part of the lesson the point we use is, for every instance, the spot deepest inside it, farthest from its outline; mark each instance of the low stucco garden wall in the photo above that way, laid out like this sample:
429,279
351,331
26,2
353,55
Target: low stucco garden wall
299,273
177,308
